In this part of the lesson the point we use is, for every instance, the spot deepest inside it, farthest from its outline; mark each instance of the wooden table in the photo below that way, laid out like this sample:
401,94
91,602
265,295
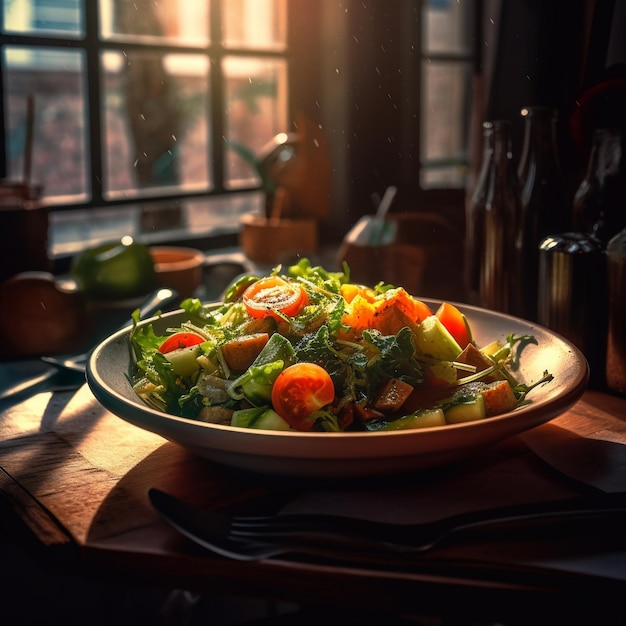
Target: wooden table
77,479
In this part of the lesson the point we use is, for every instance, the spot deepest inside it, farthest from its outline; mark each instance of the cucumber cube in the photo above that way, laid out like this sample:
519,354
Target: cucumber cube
425,418
433,339
184,361
259,417
467,410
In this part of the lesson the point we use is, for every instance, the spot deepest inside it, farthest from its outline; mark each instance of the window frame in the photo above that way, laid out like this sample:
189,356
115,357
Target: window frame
448,200
312,48
93,45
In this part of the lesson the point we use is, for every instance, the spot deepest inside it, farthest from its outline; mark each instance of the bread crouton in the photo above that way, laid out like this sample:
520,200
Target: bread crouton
471,355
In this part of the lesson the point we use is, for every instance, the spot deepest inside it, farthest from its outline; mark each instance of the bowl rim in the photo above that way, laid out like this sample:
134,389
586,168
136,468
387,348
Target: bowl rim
188,258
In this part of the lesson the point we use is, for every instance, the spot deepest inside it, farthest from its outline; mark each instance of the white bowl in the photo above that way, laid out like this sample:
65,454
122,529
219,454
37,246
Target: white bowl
353,454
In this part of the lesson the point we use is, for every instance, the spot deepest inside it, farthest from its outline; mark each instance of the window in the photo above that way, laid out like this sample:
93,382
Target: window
395,100
135,103
447,70
147,115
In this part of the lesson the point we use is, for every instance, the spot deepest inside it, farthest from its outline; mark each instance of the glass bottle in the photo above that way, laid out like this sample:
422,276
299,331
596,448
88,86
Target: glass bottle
497,281
491,219
599,205
616,343
475,218
544,209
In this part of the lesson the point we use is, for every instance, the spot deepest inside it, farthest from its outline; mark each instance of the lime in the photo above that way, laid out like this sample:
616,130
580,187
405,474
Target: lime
114,270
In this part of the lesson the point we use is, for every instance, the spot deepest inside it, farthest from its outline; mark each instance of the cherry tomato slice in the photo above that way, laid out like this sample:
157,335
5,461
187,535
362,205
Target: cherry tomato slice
268,295
455,322
299,390
180,340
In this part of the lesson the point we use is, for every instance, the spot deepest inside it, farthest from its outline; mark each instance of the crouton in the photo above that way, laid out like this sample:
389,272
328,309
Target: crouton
393,395
471,355
499,397
240,353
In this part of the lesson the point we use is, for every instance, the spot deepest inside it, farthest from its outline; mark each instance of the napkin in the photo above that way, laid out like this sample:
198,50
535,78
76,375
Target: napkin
423,497
514,478
595,462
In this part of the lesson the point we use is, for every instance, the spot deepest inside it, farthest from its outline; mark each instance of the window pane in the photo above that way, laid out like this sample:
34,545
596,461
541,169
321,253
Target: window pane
256,111
53,78
71,231
445,177
447,26
447,92
221,212
183,22
156,122
44,17
254,23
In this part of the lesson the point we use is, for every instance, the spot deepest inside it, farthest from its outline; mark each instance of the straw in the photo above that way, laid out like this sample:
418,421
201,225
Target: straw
378,222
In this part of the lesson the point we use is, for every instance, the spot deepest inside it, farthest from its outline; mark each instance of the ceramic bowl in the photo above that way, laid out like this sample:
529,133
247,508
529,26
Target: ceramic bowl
178,268
353,454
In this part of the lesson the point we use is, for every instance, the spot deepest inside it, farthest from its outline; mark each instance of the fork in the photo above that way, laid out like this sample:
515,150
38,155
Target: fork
338,537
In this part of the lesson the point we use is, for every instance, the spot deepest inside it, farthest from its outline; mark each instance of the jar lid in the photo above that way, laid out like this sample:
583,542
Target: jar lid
571,243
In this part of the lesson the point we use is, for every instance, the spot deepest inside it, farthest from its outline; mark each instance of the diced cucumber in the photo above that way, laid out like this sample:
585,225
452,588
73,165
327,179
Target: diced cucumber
491,348
245,417
496,350
270,420
208,365
444,370
259,417
184,361
255,384
467,410
433,339
425,418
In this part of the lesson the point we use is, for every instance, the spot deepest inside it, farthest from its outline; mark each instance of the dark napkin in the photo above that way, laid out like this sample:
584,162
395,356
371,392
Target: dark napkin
595,462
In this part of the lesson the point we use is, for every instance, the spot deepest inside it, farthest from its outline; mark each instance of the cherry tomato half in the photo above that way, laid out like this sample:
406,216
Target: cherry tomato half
455,322
268,295
180,340
299,390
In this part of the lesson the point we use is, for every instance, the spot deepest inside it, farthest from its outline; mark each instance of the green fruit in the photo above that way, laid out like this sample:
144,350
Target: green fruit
114,271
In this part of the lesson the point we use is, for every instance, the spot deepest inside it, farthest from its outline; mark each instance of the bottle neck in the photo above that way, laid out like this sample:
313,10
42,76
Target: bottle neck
610,182
502,146
487,158
539,148
497,165
609,154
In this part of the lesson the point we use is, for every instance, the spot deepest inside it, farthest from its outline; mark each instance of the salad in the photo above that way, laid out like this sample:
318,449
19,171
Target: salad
305,349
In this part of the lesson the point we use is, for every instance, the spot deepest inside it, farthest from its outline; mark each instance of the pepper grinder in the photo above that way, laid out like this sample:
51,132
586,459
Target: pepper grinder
572,278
